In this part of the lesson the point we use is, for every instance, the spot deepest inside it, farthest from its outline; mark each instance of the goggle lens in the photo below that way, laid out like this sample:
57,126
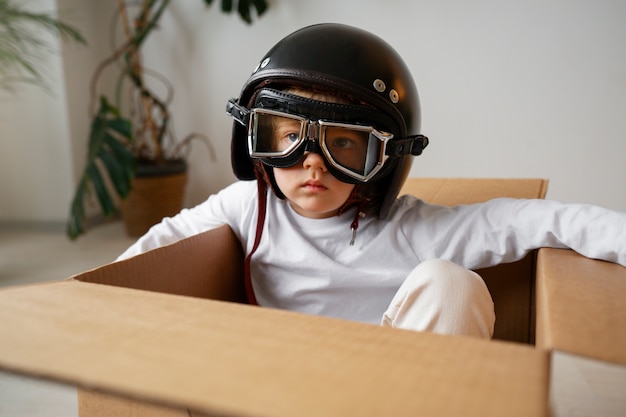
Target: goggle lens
274,135
355,150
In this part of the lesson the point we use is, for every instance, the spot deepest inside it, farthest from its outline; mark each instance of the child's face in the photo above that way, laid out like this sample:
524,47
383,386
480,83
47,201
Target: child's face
311,190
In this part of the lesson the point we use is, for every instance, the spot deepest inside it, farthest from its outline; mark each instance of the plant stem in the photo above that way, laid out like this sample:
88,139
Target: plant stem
149,128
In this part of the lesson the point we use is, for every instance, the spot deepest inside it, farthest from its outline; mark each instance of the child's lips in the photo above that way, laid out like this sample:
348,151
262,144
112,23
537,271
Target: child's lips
314,185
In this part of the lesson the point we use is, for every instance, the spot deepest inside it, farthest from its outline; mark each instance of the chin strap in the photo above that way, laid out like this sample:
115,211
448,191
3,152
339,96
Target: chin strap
262,199
355,223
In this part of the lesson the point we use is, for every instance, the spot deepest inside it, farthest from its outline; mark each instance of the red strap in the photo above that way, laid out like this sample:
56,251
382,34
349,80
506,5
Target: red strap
262,191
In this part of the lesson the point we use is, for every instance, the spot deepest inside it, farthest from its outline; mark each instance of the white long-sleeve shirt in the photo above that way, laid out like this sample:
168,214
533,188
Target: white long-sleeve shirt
308,265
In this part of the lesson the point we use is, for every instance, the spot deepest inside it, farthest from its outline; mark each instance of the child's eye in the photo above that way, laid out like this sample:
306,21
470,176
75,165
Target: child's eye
289,138
342,143
292,137
285,139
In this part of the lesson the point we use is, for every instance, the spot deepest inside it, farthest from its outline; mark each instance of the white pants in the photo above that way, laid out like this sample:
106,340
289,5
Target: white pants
442,297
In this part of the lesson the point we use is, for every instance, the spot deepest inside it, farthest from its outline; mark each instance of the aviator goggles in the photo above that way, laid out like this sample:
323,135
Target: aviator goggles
353,152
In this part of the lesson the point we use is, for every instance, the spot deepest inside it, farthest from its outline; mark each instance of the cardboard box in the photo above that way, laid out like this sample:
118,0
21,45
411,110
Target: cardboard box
176,354
581,314
147,337
581,305
581,320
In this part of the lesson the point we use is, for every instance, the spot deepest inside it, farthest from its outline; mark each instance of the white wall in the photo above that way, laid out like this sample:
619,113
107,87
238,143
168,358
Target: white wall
35,153
508,88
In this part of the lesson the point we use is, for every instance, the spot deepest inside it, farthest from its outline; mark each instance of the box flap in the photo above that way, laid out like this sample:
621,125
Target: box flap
580,305
208,265
224,358
452,191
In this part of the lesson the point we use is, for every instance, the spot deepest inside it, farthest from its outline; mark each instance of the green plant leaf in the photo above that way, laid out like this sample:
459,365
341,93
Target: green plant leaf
124,155
116,172
104,198
121,126
75,224
22,49
227,6
260,6
109,156
243,8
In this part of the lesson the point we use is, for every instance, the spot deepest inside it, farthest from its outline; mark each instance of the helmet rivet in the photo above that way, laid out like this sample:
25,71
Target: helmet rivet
265,62
394,96
379,85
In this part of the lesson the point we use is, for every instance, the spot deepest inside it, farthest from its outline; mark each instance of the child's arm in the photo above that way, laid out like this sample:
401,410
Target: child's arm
225,207
504,230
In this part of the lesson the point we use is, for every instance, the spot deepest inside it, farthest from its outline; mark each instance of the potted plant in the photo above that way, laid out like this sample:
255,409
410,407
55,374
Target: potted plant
21,49
132,147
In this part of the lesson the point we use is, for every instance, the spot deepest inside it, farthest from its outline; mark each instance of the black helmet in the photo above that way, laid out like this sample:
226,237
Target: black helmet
354,62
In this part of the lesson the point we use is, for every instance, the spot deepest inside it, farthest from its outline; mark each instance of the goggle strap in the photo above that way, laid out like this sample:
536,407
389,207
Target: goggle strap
282,101
413,145
238,112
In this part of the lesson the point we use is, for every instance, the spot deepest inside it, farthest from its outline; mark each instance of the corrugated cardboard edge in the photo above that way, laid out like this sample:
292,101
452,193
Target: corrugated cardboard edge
580,305
102,404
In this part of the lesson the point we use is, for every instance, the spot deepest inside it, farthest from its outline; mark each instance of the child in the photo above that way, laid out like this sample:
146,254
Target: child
325,131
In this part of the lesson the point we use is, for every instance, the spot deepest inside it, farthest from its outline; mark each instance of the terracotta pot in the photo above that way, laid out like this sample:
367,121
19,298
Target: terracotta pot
158,191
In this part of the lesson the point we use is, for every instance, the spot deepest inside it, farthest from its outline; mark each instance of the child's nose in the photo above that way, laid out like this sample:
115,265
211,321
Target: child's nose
313,160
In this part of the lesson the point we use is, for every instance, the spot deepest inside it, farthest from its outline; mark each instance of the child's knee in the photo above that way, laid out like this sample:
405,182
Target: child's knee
447,282
442,297
450,280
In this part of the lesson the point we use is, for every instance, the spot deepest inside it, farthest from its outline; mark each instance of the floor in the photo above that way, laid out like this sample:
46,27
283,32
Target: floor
30,254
